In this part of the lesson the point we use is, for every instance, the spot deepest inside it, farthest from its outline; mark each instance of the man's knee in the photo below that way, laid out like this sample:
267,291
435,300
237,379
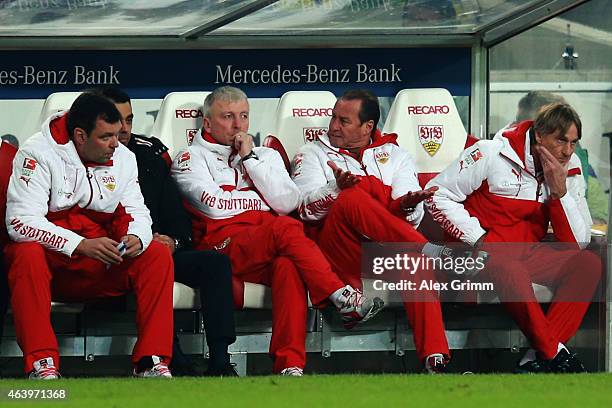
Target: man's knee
590,266
156,250
158,259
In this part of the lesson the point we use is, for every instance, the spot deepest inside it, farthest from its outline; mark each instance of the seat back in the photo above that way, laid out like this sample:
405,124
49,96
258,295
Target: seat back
179,119
301,116
56,102
429,127
7,153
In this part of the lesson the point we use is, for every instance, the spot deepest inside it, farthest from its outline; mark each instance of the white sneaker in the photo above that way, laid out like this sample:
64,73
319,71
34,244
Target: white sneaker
357,308
292,372
160,369
435,364
44,369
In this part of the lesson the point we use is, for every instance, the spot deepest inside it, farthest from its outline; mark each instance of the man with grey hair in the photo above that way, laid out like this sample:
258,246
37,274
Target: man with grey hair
238,196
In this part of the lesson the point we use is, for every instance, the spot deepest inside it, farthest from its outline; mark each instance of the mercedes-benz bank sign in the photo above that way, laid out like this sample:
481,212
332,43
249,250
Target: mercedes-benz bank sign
309,74
267,73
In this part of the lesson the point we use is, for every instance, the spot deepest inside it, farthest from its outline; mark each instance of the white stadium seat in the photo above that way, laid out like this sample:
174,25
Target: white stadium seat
56,102
301,116
428,126
179,118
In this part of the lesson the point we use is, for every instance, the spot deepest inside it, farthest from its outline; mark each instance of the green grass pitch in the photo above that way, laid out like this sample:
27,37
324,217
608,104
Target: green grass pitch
347,391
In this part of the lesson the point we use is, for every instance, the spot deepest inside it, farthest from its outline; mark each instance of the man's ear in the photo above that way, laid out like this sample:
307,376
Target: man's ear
206,124
538,137
369,126
79,136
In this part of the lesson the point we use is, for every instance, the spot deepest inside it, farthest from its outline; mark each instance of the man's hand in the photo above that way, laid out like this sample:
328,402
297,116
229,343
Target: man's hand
243,143
166,240
102,249
344,179
554,172
133,245
412,198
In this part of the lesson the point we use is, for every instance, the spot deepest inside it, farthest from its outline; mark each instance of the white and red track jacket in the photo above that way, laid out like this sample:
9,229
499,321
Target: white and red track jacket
223,193
57,200
492,188
382,159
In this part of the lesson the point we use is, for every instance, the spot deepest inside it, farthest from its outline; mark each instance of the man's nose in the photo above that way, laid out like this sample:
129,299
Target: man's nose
114,141
333,124
568,149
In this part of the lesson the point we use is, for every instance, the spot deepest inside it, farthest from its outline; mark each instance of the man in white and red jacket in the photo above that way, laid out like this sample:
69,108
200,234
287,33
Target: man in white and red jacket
358,186
508,190
80,231
239,196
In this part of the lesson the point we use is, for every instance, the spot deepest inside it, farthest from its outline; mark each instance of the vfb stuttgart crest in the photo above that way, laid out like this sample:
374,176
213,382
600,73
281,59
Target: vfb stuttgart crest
311,134
190,135
431,137
109,182
382,157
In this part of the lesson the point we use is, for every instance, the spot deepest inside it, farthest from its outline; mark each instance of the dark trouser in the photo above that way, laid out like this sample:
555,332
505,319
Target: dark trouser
211,272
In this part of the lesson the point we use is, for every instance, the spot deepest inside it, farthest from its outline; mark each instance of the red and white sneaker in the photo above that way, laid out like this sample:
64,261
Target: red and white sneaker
44,369
292,372
436,364
158,370
356,308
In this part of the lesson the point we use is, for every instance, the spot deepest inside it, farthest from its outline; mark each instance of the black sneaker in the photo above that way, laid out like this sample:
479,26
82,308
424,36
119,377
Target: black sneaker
228,370
566,362
533,367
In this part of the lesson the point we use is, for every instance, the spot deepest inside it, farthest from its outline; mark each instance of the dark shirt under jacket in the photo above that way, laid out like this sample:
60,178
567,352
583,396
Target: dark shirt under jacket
160,193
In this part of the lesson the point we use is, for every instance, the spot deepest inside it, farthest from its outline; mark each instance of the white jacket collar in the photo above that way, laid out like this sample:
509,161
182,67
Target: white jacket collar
217,148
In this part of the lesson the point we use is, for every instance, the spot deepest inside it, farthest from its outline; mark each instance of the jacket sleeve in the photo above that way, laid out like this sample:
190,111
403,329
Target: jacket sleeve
27,206
570,216
133,203
405,179
271,179
197,186
462,177
174,220
316,182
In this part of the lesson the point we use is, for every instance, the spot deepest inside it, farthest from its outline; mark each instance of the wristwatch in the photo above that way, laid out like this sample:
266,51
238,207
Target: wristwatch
177,243
251,155
407,210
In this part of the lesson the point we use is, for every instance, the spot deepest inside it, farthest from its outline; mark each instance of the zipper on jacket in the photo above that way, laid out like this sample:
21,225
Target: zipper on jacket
365,169
99,188
539,188
89,176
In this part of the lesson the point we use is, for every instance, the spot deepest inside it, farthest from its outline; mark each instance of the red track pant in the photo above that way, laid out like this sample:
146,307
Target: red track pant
356,217
573,274
276,253
36,276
